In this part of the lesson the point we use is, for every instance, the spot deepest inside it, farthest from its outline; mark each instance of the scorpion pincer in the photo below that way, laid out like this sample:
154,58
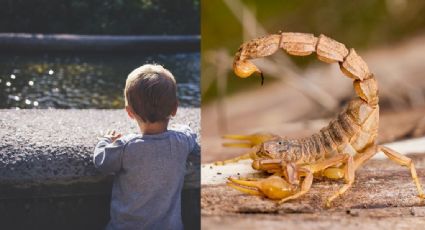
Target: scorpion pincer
337,150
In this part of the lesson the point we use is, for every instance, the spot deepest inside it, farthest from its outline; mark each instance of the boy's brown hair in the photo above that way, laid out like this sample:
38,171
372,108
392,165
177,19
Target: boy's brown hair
150,92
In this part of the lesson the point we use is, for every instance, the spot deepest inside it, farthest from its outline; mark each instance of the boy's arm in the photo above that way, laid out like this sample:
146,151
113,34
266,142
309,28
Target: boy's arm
108,153
192,178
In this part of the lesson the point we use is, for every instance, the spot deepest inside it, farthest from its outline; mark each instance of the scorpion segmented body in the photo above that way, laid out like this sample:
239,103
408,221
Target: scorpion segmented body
338,149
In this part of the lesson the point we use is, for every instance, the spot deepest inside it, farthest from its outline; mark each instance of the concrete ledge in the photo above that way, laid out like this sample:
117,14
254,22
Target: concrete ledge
47,179
74,42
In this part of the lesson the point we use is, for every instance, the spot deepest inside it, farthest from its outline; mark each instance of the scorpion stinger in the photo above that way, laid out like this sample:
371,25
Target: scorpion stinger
262,78
256,48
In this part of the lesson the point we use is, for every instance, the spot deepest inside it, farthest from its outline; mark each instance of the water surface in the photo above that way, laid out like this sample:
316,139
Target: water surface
86,81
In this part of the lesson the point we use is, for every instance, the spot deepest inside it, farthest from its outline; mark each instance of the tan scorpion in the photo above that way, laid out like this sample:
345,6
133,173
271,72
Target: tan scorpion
337,150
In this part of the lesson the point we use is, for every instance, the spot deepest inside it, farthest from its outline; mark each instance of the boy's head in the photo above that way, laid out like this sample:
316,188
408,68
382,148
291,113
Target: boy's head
150,94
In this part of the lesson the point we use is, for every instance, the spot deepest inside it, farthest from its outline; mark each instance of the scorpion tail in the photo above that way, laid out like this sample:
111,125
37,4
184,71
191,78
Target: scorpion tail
303,44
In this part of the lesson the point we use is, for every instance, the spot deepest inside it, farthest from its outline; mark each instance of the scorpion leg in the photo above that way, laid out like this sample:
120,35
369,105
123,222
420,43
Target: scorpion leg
278,166
338,172
394,156
309,170
369,153
349,180
404,161
305,186
359,159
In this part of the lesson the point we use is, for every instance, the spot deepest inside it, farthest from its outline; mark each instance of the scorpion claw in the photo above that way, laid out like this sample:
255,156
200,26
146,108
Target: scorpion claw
245,141
237,145
245,186
273,187
248,141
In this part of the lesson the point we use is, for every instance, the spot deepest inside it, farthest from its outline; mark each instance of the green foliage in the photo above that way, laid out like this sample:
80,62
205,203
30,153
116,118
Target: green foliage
100,16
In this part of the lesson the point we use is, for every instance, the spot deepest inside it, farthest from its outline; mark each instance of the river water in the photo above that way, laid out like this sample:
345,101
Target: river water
86,81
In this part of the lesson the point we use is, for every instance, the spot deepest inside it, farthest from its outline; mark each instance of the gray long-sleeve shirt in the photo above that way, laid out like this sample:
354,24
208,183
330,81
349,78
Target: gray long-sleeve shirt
149,173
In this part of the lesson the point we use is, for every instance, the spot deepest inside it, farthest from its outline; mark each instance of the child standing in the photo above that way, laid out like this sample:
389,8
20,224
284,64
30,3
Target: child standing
149,167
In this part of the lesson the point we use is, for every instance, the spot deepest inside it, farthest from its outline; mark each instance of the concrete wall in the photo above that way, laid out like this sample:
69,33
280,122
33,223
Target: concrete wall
47,179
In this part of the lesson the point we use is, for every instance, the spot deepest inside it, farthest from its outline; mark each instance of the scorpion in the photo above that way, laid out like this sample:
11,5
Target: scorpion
337,150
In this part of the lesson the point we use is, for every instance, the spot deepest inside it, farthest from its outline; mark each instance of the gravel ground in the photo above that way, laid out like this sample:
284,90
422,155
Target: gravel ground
51,145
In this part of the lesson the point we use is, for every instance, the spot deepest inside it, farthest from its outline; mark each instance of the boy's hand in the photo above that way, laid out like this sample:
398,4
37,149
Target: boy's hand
112,134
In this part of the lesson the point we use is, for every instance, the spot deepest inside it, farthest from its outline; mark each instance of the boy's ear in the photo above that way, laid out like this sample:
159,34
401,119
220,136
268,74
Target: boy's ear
175,109
129,112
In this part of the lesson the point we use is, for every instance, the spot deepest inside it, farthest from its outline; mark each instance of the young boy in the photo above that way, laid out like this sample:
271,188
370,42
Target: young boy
149,167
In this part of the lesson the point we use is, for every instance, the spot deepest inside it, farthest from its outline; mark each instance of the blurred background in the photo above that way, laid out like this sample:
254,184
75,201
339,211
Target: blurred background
51,77
301,94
